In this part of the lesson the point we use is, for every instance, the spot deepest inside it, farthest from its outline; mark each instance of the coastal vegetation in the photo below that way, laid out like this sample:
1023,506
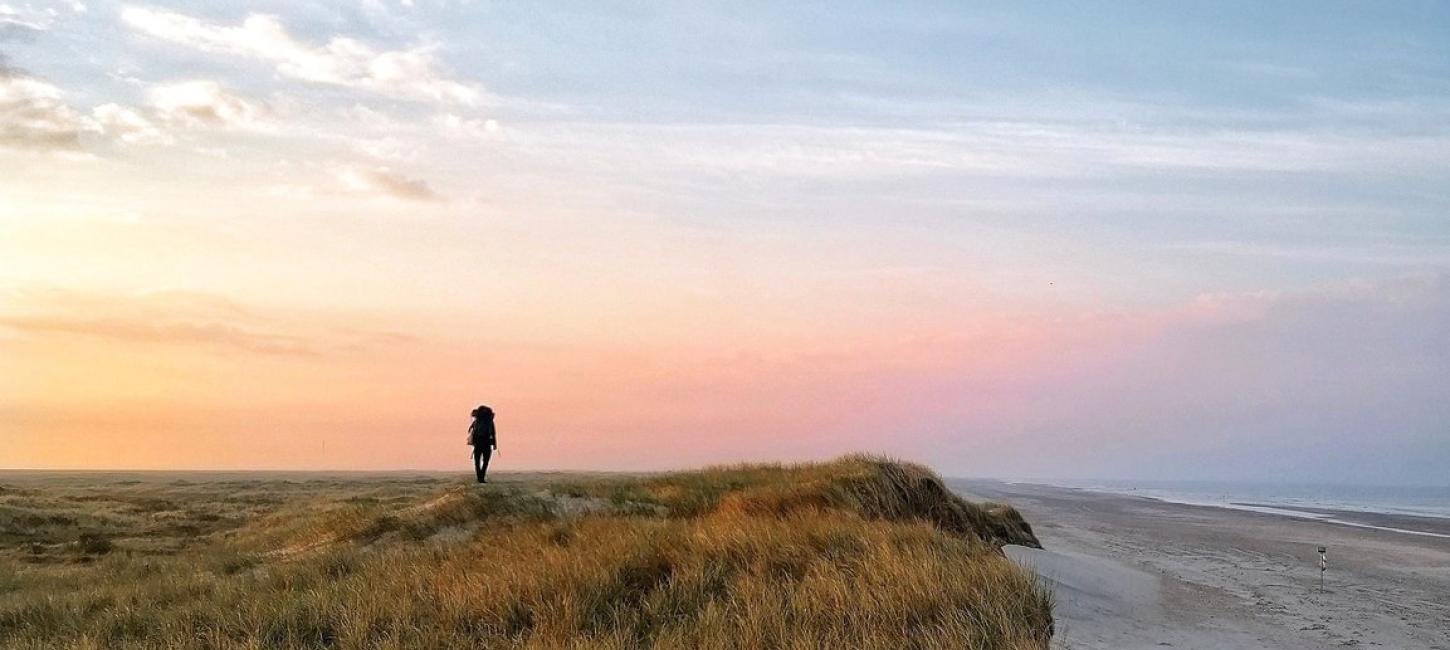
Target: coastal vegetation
860,552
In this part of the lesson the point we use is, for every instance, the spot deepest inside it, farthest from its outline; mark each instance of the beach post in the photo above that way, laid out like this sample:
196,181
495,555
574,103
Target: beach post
1323,565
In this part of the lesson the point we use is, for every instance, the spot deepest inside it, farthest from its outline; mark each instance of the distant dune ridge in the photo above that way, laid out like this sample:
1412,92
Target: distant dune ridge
860,552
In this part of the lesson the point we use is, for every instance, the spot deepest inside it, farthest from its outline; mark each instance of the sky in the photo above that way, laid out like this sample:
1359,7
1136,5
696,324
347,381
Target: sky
1048,240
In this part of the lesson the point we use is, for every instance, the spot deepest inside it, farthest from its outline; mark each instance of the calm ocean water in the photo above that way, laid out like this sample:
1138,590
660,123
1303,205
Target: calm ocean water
1398,500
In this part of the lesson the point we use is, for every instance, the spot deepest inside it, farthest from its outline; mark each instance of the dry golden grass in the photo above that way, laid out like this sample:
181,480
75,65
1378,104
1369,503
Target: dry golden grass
857,553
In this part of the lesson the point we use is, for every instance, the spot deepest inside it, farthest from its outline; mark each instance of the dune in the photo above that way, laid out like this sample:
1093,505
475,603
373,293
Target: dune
860,552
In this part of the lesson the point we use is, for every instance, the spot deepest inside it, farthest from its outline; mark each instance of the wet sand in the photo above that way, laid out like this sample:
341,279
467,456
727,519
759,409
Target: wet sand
1134,573
1430,526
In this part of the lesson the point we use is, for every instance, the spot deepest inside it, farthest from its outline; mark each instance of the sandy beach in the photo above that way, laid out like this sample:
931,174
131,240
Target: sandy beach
1134,573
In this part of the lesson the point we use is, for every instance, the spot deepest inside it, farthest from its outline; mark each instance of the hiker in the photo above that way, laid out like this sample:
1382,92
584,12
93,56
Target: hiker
484,439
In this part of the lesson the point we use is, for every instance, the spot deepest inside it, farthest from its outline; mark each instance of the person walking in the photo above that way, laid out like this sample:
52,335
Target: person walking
484,439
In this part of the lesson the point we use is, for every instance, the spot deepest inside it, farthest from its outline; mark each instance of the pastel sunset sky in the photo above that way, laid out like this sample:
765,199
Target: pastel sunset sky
1130,240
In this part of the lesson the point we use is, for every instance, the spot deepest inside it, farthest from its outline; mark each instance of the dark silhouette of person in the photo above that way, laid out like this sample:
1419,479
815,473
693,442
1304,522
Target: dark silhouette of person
484,439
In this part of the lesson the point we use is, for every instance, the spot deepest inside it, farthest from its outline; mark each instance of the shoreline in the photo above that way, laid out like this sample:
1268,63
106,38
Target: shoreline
1134,572
1426,524
1385,521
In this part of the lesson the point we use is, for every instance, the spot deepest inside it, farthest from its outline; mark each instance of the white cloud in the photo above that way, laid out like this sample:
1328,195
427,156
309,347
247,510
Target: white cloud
129,126
385,182
411,73
33,115
204,103
472,127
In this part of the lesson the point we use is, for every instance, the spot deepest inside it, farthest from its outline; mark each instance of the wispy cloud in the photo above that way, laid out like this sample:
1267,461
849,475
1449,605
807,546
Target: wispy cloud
996,148
1417,254
24,21
170,317
386,182
342,61
178,332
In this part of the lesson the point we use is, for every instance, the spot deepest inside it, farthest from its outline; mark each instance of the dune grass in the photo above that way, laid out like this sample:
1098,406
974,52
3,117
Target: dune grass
856,553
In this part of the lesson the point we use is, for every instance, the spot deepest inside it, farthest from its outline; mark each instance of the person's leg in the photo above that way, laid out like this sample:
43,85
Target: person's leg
477,467
487,454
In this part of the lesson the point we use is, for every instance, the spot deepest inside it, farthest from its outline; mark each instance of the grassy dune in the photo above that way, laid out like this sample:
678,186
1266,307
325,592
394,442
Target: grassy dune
856,553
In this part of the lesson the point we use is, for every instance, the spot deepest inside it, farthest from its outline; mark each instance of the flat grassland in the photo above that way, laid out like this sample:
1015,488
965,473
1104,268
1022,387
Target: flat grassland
856,553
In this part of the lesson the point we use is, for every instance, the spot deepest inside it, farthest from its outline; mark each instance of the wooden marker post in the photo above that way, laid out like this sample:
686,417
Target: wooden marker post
1323,565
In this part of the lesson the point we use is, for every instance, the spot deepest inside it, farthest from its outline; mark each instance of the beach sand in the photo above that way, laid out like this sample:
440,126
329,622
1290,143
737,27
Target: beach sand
1134,573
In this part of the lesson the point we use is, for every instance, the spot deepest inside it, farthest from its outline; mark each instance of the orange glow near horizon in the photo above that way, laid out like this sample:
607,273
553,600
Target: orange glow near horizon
182,380
350,365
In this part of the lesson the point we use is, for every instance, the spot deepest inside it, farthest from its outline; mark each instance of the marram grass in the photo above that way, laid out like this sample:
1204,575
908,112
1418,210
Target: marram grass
856,553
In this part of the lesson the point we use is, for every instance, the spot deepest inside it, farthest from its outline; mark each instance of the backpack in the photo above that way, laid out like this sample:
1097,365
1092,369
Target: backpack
481,433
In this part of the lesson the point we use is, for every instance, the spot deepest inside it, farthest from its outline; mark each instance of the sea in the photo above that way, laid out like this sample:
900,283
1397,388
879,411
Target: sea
1328,502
